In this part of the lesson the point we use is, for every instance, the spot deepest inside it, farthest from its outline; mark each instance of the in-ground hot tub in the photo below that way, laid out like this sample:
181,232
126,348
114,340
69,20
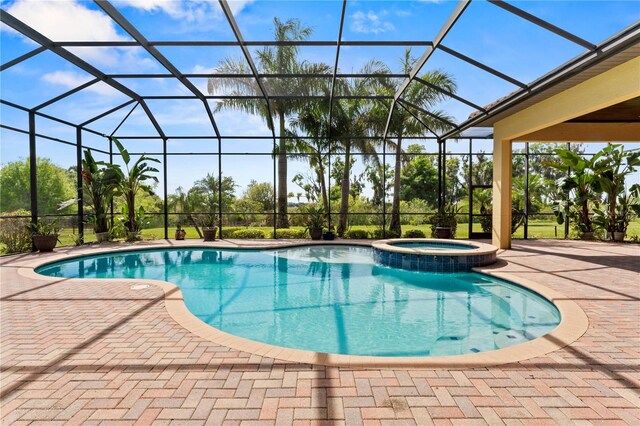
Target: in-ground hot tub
433,255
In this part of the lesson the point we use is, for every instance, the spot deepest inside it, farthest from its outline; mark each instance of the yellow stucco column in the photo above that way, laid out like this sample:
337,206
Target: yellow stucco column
501,232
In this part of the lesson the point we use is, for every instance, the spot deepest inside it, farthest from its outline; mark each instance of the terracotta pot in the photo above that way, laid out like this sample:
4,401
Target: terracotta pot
443,232
316,233
45,242
102,236
210,233
180,234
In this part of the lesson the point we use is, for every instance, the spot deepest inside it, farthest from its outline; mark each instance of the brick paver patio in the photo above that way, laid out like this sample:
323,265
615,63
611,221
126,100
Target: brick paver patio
102,353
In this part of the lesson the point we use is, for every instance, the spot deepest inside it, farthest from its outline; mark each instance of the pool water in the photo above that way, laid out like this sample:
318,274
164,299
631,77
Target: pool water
434,246
334,299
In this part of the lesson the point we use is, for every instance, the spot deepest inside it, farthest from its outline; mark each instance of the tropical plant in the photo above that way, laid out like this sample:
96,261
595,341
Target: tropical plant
316,217
282,59
353,117
43,228
207,194
133,182
101,182
610,169
627,206
445,218
575,193
403,123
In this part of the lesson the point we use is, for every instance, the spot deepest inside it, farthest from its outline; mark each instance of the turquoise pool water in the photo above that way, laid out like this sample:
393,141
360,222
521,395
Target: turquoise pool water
434,246
334,299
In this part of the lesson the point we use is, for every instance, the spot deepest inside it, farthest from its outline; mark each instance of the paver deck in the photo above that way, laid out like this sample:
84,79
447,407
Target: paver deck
103,353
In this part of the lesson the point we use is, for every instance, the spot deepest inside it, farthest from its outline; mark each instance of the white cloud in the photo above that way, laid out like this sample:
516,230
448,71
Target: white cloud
370,22
403,13
71,79
72,21
65,20
190,11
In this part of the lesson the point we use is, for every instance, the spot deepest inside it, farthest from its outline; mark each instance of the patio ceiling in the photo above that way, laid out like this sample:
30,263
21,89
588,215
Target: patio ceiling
594,59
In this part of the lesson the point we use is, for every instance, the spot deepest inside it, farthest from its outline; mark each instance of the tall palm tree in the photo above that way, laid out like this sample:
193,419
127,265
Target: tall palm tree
353,117
282,59
404,124
313,121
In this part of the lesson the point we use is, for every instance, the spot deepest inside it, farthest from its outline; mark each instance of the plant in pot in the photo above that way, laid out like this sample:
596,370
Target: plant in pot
130,184
180,233
627,206
100,183
610,169
209,226
444,223
575,194
315,221
44,234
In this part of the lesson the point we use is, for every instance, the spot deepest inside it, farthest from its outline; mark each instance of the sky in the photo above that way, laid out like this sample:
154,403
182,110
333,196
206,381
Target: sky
485,33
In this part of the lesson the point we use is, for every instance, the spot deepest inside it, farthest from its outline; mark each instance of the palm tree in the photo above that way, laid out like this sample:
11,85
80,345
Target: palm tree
404,124
282,59
353,117
313,121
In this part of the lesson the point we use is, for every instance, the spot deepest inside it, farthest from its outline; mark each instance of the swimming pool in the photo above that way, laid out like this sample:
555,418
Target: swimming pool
334,299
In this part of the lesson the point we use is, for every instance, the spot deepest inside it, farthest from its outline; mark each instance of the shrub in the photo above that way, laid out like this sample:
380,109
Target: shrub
377,234
14,234
289,233
226,232
414,233
357,234
247,233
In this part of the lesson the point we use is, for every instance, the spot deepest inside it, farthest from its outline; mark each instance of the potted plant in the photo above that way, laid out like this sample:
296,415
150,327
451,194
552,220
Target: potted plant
100,184
130,184
315,220
628,204
209,227
575,194
180,233
329,235
44,235
444,223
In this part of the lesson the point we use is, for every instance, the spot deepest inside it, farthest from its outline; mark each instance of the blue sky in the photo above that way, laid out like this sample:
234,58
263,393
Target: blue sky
485,33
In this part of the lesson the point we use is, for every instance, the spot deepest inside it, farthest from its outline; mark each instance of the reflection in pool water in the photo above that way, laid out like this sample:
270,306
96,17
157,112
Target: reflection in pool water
335,299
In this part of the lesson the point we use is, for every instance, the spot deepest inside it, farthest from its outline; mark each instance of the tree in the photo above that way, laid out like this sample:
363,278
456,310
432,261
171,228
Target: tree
261,193
282,59
419,178
204,194
55,185
353,117
313,121
405,124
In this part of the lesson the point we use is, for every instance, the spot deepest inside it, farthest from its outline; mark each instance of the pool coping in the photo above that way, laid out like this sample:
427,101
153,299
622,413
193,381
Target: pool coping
574,322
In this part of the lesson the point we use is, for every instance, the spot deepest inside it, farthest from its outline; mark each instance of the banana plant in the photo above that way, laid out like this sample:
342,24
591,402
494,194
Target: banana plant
134,181
610,169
